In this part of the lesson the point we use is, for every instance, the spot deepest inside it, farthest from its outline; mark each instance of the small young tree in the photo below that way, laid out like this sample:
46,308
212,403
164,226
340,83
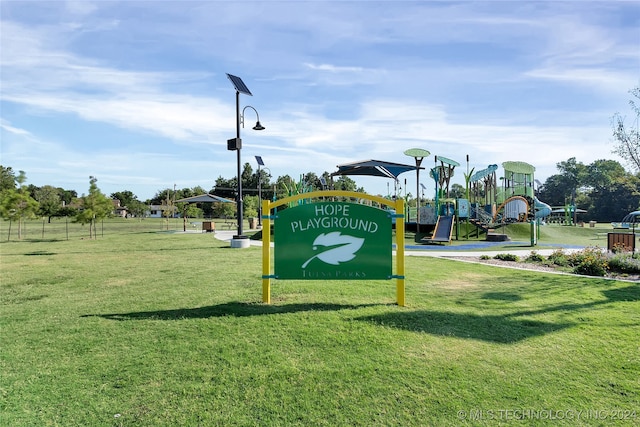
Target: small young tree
95,206
251,206
17,204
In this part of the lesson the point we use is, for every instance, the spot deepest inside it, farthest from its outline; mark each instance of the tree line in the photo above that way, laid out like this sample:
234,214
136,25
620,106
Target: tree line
20,201
603,188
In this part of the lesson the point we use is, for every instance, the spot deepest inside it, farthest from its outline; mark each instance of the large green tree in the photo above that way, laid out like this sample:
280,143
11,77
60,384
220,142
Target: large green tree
627,136
604,188
125,197
573,172
614,200
457,191
48,197
555,191
225,187
602,173
129,200
67,196
347,184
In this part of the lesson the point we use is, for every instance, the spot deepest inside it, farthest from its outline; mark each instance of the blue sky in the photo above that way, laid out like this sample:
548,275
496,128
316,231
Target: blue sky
135,93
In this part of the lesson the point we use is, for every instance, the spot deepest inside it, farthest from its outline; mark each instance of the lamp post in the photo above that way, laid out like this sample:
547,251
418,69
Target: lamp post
235,144
260,163
418,154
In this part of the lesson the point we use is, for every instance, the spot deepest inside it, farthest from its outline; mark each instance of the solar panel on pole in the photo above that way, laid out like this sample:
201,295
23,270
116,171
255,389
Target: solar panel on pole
239,84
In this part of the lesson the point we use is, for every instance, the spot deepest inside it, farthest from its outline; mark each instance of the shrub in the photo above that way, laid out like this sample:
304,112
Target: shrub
507,257
624,263
534,257
589,261
485,257
558,257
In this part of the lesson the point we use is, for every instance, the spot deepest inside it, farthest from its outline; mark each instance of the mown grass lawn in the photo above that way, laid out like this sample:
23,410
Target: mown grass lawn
156,329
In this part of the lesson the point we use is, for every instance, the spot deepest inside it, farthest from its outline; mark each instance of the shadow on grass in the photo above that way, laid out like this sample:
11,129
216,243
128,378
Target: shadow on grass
495,328
39,253
630,293
235,309
505,328
502,296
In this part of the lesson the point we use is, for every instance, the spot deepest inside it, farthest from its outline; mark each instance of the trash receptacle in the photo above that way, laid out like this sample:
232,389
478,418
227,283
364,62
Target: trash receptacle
253,223
621,241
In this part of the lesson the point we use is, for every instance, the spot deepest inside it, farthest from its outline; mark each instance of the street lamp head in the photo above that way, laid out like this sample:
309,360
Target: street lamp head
258,126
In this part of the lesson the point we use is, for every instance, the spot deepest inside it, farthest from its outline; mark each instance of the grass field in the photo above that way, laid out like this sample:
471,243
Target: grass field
151,328
65,229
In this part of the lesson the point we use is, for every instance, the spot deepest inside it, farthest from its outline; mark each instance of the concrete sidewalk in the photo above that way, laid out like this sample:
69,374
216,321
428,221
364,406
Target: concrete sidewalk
414,250
227,235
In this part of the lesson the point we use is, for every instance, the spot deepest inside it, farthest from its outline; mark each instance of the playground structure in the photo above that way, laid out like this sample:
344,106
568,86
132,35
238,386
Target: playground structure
630,221
485,207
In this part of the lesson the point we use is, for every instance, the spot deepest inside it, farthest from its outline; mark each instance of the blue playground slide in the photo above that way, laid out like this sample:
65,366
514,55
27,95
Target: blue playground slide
542,209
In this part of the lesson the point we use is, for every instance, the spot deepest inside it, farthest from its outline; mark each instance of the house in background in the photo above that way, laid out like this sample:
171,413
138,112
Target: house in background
118,210
156,211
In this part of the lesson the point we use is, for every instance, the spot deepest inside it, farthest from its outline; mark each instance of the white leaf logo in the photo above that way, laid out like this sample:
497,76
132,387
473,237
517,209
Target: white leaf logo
339,248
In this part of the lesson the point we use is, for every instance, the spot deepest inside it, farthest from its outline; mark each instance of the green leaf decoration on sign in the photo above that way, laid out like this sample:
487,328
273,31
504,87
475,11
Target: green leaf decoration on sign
341,248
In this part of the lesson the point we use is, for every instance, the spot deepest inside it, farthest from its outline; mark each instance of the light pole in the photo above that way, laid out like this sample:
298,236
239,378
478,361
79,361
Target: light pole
260,163
235,144
418,154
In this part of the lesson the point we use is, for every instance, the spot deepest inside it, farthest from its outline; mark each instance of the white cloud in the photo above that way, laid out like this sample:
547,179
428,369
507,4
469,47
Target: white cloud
334,68
5,125
80,7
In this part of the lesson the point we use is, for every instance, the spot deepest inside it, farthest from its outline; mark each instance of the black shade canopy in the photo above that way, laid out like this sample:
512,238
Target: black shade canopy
374,168
205,198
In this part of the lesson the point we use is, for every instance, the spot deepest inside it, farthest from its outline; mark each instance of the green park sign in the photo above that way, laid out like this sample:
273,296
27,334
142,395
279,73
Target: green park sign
317,237
333,241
